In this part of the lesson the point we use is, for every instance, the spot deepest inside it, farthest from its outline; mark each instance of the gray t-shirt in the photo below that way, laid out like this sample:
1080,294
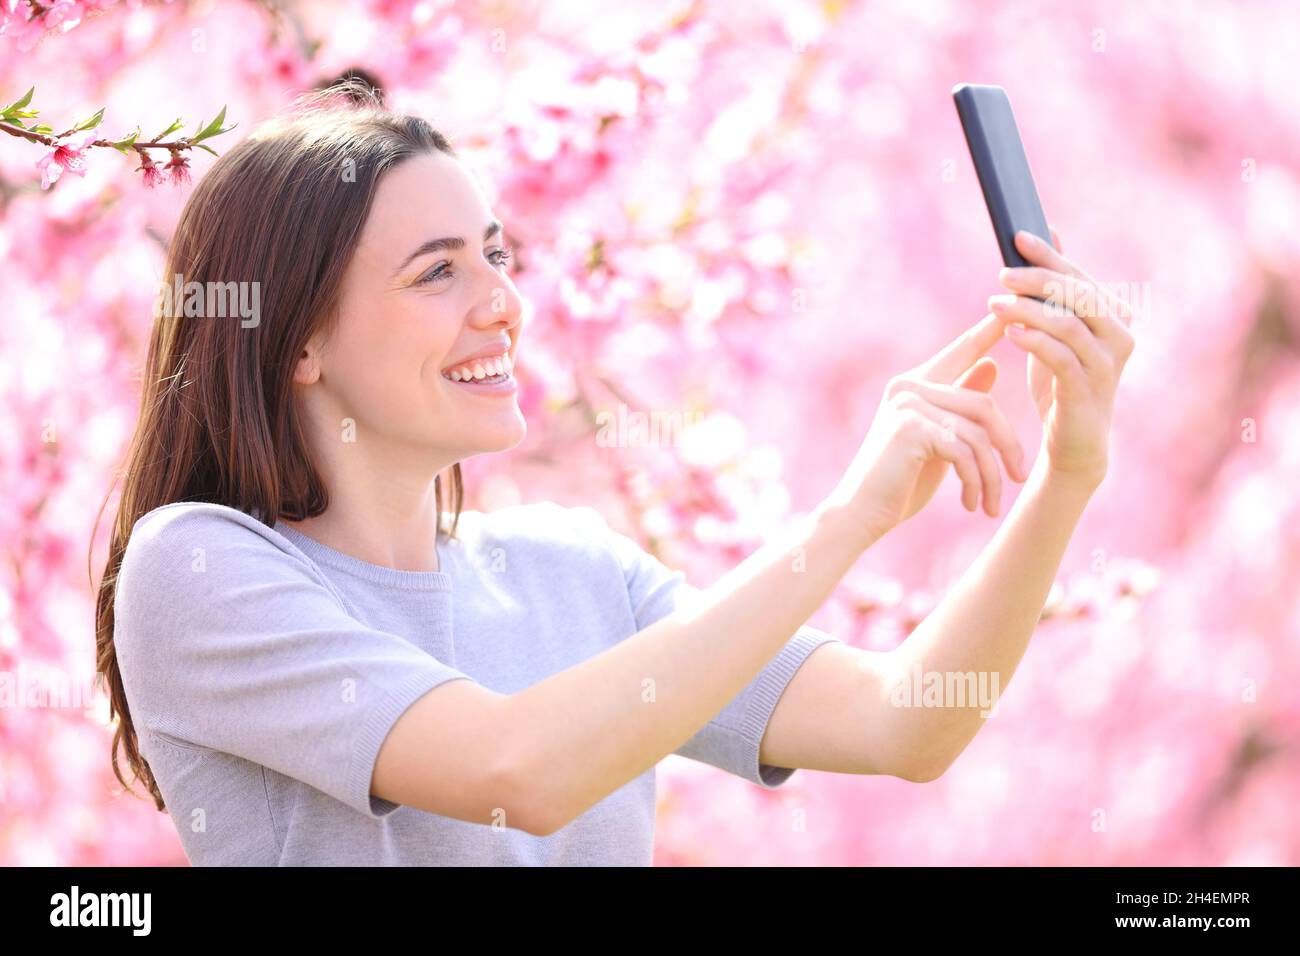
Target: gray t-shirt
263,670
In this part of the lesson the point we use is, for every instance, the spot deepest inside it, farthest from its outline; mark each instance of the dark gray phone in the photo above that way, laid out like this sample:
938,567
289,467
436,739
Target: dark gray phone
1001,165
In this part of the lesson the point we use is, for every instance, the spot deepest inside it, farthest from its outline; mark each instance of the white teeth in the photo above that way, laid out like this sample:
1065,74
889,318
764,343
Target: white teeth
485,368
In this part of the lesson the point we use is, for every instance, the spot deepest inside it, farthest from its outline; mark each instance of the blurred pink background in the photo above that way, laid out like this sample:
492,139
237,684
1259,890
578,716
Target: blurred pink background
755,213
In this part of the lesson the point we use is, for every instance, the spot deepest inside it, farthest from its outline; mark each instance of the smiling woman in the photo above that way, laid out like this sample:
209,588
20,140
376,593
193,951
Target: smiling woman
275,620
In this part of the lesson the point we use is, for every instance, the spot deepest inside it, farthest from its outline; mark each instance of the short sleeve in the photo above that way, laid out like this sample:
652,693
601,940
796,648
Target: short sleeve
228,640
731,740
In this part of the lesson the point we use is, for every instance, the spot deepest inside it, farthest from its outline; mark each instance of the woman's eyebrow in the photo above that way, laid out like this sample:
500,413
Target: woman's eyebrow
446,242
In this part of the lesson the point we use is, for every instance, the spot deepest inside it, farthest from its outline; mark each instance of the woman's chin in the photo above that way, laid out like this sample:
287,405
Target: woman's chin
499,436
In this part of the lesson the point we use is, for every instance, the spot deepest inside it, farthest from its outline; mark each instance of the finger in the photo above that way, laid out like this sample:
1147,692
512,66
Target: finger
1115,308
1058,322
1036,251
1117,312
957,428
1088,301
1040,253
961,353
962,457
979,377
1056,239
1056,355
980,408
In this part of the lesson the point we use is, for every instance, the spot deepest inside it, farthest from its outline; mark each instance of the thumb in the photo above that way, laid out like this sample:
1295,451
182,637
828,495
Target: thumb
980,376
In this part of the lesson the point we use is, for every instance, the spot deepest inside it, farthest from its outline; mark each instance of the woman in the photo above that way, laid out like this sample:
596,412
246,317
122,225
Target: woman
313,668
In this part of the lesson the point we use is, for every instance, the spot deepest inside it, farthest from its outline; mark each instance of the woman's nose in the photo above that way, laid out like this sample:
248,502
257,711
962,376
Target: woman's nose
501,300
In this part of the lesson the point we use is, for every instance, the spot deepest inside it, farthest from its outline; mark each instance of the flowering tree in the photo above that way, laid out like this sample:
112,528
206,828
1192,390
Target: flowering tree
742,219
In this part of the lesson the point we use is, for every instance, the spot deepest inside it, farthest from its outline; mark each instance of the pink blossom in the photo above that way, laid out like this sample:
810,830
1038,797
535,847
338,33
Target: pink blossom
153,175
60,13
66,155
178,168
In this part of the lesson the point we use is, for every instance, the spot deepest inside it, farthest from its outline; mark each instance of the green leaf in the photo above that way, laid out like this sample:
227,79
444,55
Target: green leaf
198,133
170,129
19,104
90,123
123,146
208,148
41,128
213,128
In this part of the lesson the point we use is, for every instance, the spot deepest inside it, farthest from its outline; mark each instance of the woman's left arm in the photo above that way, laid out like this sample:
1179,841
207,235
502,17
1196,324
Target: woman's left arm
1078,342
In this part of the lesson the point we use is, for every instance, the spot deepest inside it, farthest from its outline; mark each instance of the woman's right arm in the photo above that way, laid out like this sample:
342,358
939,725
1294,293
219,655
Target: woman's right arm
587,731
568,741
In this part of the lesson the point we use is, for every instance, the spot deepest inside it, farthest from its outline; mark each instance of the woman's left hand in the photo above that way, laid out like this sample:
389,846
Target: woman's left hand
1078,342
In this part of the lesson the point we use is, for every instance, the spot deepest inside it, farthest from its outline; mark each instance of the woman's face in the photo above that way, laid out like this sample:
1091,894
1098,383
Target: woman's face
410,312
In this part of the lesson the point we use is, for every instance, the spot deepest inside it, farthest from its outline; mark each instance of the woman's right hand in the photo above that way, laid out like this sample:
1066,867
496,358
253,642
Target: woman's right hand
933,415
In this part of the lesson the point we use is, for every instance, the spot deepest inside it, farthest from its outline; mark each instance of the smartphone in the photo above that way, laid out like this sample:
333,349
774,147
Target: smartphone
1001,165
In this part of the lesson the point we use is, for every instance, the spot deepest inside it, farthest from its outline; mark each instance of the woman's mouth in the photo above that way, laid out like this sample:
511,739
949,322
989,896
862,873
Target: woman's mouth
494,375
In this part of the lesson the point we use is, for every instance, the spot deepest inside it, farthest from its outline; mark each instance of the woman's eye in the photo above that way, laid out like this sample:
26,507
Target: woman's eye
436,274
443,269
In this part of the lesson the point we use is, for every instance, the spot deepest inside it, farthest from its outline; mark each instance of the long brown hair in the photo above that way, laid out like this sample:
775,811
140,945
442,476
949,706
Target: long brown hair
283,208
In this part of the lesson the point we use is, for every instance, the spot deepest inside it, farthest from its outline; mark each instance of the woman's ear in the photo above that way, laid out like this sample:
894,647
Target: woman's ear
307,369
